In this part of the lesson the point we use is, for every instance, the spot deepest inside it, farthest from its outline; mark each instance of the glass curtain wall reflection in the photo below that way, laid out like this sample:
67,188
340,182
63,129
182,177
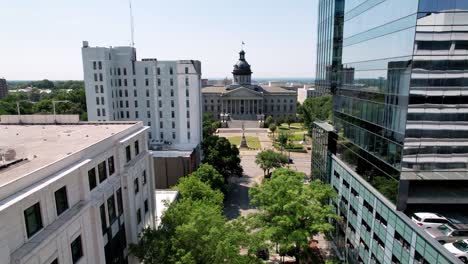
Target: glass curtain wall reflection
329,44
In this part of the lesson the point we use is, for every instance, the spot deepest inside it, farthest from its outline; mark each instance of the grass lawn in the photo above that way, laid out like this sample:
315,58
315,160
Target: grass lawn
296,137
295,127
252,142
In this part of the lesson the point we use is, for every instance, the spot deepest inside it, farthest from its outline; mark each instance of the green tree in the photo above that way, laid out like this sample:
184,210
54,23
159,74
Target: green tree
207,124
268,121
209,175
315,108
288,121
193,188
283,139
269,159
223,156
272,128
279,121
291,212
193,232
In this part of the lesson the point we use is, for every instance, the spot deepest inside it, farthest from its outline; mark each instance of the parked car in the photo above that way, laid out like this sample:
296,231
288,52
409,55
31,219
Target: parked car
429,220
448,233
459,249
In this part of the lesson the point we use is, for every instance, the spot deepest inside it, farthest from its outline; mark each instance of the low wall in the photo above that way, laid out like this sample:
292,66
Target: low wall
38,119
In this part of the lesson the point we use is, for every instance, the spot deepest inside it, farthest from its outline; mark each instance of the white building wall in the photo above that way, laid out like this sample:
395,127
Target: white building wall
115,105
83,215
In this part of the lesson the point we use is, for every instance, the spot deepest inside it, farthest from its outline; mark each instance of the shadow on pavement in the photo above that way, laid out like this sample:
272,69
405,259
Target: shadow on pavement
237,199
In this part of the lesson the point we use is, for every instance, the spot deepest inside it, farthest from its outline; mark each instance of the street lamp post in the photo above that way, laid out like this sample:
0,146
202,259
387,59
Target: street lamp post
53,106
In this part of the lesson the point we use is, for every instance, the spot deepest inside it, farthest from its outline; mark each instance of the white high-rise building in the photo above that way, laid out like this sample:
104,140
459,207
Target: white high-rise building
165,95
73,192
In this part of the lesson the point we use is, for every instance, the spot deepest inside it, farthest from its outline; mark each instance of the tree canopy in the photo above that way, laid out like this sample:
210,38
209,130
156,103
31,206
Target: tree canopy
209,175
269,159
291,211
315,108
194,189
222,155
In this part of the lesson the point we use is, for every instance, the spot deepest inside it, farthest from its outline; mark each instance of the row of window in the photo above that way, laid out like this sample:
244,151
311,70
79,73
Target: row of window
112,213
119,83
102,168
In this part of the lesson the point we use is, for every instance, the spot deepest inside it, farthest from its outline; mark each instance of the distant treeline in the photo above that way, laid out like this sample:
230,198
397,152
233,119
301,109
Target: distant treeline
46,84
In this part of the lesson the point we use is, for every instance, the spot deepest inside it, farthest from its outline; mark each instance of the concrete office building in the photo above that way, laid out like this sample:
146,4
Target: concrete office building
165,95
246,101
73,192
398,144
3,88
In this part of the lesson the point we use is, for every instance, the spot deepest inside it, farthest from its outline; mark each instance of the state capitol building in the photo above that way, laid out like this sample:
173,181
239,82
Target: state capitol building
246,101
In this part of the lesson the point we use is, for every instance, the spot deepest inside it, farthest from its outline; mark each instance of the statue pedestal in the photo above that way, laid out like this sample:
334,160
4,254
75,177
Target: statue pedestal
243,143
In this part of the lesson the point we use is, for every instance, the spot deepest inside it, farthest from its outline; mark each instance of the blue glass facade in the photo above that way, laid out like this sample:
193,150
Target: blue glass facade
329,44
400,113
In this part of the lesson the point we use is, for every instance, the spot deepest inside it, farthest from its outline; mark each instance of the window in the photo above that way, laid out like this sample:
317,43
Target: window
137,148
102,89
160,114
171,71
186,70
102,210
158,70
186,81
94,65
148,114
172,92
160,103
136,185
172,82
98,112
173,135
188,124
125,71
111,209
146,206
188,114
102,171
95,77
147,82
144,177
118,71
136,114
172,103
173,124
92,178
161,135
160,124
100,77
135,103
159,92
146,70
187,92
147,103
61,200
119,201
134,84
76,249
173,114
188,135
159,82
126,93
147,93
187,103
138,216
33,220
96,89
128,153
125,82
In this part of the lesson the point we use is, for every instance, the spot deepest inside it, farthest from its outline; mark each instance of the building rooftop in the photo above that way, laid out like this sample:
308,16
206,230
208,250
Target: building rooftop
40,145
163,199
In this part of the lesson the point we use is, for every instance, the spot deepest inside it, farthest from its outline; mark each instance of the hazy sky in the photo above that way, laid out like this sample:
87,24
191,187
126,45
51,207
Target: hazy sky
42,39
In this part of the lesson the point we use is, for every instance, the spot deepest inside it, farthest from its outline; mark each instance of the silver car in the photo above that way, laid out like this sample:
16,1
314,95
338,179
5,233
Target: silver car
448,233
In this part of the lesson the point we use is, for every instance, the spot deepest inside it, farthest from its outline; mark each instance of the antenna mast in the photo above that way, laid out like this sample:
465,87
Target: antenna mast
131,24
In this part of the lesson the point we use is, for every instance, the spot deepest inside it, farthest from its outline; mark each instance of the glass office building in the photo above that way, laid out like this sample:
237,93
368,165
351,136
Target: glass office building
400,112
329,44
